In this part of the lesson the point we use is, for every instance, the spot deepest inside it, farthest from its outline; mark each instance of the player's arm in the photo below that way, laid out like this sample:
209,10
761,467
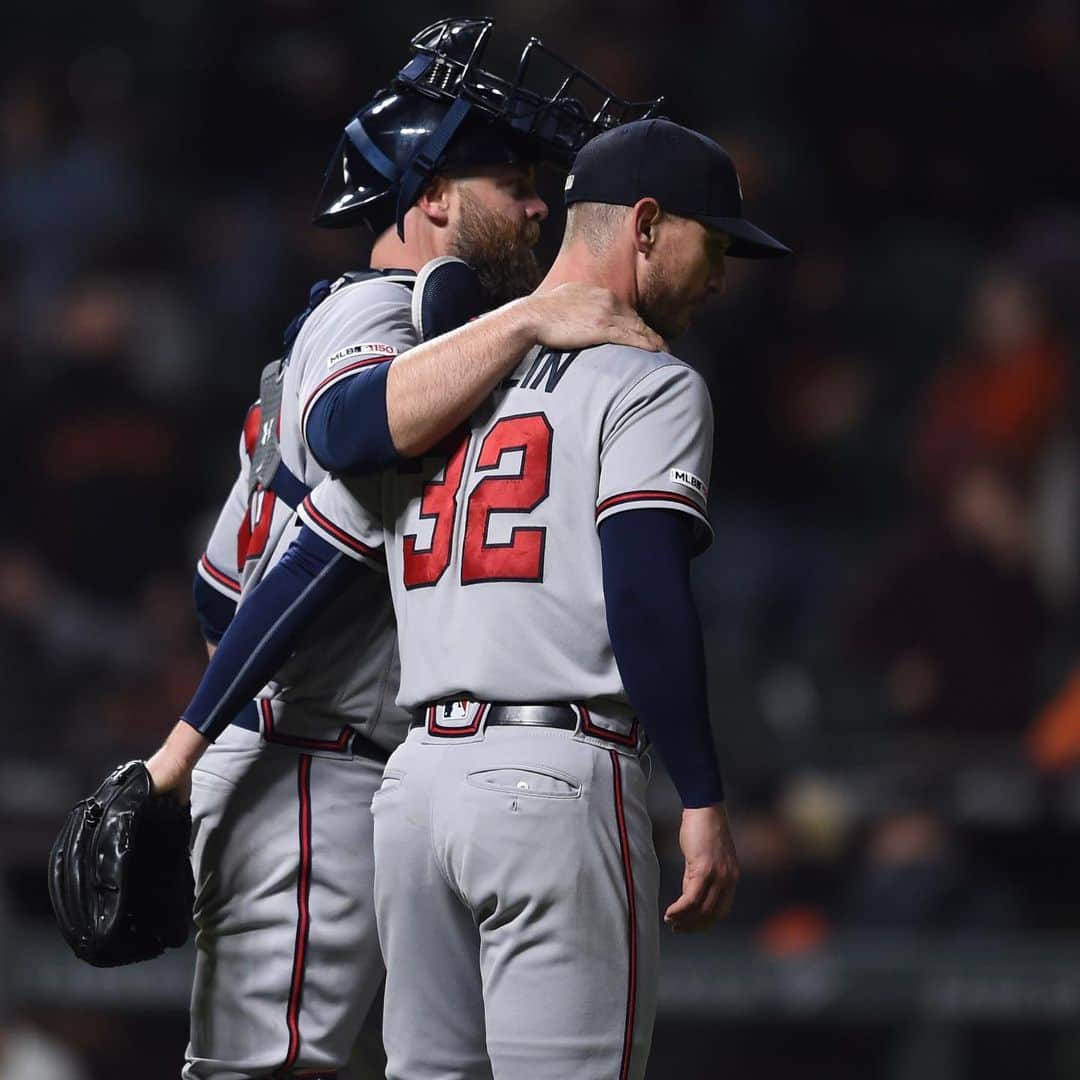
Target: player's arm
257,642
433,388
318,565
379,409
656,636
652,518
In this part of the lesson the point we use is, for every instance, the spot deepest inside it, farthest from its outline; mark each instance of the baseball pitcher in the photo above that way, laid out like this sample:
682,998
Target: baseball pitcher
539,570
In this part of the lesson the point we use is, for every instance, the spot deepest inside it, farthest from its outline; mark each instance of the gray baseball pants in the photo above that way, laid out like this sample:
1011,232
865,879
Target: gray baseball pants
516,895
287,961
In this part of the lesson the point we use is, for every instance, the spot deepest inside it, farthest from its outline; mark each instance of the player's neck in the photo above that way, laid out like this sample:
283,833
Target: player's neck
390,252
577,263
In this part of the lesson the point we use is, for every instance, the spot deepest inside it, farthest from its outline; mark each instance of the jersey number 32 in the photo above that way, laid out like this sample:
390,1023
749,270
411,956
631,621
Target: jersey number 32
521,557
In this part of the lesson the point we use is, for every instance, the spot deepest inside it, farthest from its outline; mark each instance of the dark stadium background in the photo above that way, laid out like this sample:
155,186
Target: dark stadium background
891,602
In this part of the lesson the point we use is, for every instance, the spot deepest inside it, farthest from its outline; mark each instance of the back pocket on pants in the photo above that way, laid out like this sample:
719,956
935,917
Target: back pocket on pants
544,783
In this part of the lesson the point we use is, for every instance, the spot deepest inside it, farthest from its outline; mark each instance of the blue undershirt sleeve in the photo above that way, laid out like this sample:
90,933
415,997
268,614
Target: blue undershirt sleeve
347,428
656,636
213,609
266,628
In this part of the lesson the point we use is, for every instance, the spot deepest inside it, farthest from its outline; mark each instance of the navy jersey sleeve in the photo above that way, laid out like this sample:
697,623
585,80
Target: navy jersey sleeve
347,427
266,628
656,636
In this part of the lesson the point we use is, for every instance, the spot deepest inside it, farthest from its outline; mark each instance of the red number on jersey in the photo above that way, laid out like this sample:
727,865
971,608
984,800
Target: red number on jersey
255,528
438,502
521,558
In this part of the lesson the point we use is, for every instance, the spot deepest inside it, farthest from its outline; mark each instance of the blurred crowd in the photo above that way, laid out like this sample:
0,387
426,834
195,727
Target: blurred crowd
890,605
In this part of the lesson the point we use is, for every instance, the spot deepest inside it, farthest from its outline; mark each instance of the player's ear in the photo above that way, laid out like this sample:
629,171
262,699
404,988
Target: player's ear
434,201
645,216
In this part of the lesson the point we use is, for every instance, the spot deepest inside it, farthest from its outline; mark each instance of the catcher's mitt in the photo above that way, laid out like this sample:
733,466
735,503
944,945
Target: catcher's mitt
119,875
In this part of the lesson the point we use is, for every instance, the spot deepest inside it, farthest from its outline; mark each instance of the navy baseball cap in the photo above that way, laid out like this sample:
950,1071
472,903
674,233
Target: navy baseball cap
686,173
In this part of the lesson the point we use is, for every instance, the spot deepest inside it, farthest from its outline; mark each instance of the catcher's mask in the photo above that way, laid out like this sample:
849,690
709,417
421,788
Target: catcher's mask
443,111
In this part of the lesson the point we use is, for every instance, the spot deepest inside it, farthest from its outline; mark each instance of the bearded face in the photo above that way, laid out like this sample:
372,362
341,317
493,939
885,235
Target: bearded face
660,304
498,249
687,265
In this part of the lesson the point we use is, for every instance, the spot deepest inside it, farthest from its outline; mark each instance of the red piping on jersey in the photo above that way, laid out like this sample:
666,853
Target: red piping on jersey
340,534
223,579
338,745
303,923
597,732
354,366
647,496
631,908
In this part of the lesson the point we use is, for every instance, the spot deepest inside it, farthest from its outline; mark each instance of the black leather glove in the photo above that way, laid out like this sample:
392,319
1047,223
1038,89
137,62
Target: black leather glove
119,874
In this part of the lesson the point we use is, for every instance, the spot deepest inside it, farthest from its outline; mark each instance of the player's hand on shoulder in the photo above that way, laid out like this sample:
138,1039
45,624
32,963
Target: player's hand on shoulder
577,316
712,870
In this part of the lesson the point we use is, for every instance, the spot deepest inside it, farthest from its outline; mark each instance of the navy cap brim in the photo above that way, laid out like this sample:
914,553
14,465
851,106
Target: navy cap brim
747,241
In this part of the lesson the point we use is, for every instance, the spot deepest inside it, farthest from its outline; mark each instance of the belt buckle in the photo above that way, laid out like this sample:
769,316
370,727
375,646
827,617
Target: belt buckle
452,719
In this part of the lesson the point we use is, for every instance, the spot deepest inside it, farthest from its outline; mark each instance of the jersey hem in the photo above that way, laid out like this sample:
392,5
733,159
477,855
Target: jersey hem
658,500
217,579
339,538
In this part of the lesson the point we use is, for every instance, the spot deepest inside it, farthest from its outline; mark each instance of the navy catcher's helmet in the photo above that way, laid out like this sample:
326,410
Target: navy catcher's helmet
443,111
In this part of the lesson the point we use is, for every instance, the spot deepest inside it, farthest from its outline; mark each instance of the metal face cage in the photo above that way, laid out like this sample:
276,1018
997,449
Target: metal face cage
548,99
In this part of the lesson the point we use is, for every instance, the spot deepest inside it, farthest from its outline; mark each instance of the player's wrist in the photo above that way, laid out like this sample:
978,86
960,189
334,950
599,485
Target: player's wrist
522,322
171,766
168,776
701,792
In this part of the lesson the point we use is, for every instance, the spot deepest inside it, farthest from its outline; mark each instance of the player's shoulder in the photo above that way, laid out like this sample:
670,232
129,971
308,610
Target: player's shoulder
629,358
361,303
624,366
369,289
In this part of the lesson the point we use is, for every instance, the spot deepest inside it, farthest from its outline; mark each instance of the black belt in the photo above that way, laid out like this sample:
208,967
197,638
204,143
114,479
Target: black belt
547,716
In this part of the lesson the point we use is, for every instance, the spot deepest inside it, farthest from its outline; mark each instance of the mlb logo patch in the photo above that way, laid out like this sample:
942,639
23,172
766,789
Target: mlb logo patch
368,348
688,479
453,710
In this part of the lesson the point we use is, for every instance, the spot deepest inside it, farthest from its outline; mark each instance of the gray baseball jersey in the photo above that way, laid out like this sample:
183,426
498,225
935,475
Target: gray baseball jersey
345,669
514,865
490,549
287,961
